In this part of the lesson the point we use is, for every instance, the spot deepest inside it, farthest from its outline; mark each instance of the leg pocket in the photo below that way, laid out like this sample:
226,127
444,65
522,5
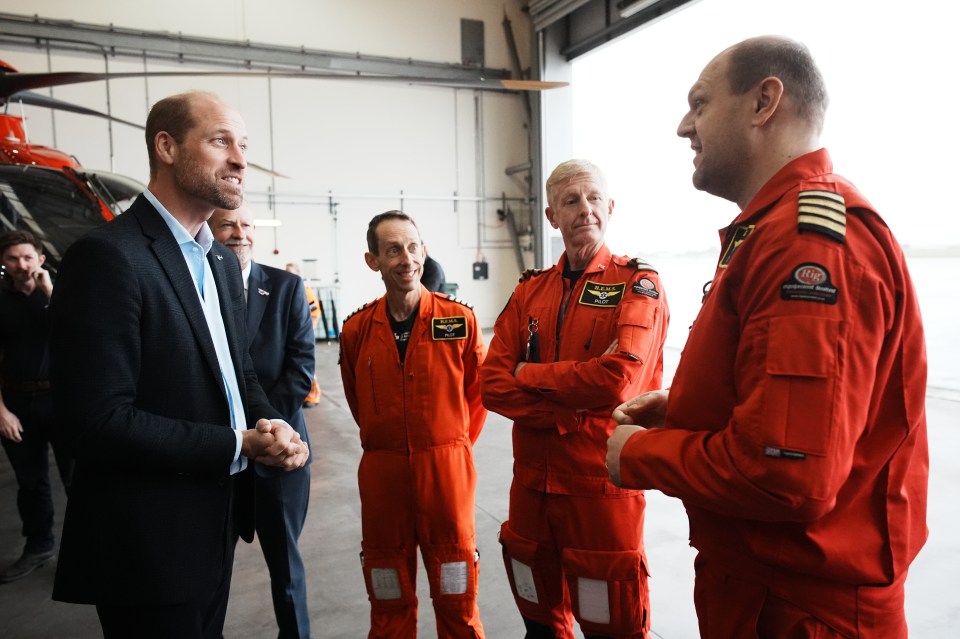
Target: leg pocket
608,590
520,559
388,581
452,570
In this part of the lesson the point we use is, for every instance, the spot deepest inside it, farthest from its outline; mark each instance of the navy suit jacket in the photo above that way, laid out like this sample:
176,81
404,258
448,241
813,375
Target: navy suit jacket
138,384
282,344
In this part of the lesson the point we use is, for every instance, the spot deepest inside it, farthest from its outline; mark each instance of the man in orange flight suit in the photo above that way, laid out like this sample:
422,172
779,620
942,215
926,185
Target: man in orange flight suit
794,430
410,364
573,342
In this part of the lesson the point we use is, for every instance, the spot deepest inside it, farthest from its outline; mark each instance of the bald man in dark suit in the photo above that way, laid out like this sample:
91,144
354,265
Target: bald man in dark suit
152,377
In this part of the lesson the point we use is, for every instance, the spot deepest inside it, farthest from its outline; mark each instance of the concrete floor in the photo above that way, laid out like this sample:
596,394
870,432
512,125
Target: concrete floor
330,544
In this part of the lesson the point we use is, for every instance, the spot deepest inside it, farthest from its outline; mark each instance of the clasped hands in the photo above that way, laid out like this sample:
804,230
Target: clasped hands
649,409
275,443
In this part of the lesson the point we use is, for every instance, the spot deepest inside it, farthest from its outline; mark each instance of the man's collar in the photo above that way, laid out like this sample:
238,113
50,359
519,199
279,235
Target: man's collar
204,237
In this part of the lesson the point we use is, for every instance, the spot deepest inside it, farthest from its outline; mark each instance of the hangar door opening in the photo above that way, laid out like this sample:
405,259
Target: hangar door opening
888,100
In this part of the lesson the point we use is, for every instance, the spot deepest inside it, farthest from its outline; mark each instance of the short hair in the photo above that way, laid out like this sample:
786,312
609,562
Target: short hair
753,60
17,237
373,242
570,169
173,114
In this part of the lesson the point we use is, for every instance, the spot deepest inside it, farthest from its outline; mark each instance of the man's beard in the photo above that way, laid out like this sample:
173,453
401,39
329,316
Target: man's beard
192,180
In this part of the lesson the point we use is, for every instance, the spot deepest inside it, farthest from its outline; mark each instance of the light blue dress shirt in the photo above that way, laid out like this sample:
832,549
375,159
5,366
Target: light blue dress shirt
195,253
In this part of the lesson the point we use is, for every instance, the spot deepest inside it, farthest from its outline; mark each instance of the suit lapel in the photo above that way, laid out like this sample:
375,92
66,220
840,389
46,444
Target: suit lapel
258,294
232,314
171,259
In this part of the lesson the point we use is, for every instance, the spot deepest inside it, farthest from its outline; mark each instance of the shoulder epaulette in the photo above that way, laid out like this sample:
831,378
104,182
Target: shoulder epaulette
530,272
365,307
458,300
640,264
823,212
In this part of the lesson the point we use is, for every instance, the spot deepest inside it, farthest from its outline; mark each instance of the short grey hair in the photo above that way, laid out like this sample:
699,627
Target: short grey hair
570,169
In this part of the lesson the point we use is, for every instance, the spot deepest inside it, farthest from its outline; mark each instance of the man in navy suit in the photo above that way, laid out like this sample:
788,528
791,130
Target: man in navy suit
152,377
281,340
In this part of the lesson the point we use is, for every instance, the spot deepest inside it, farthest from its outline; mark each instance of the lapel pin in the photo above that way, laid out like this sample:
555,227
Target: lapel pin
220,257
263,292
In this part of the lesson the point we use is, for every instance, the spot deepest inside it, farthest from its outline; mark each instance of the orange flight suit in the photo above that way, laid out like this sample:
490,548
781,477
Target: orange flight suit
573,544
418,421
313,397
795,427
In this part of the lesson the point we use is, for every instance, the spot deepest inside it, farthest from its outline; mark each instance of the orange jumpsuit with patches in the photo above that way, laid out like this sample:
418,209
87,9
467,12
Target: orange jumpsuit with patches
573,543
418,421
795,427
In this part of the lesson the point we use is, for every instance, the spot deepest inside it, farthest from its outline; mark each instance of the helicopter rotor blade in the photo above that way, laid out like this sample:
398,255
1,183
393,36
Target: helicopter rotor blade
11,83
40,100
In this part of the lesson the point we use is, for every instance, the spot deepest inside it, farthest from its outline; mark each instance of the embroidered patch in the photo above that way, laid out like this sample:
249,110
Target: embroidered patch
809,282
597,294
646,286
738,237
449,328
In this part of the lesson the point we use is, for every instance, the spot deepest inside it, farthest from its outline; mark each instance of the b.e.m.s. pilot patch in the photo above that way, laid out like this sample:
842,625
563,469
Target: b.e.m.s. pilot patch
597,294
449,328
809,282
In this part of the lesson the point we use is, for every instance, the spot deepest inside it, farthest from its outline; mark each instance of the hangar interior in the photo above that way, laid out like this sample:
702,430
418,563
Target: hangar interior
416,119
465,162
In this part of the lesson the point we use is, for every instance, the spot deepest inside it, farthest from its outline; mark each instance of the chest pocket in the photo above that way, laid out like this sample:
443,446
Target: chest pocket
636,320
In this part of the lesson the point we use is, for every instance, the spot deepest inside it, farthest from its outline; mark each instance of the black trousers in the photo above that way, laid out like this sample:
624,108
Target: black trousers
29,459
198,619
191,620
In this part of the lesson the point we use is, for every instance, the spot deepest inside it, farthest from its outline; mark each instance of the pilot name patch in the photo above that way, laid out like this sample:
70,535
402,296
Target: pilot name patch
597,294
809,282
646,286
445,328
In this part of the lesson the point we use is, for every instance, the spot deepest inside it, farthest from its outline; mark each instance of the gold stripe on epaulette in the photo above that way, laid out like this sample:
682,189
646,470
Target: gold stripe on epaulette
823,212
359,310
530,272
641,264
458,300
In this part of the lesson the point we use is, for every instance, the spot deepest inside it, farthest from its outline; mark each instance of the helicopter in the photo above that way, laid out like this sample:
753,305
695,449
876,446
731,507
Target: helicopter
49,192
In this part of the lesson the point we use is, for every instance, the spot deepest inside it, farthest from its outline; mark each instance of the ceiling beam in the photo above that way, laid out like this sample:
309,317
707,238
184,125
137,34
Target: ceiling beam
33,31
